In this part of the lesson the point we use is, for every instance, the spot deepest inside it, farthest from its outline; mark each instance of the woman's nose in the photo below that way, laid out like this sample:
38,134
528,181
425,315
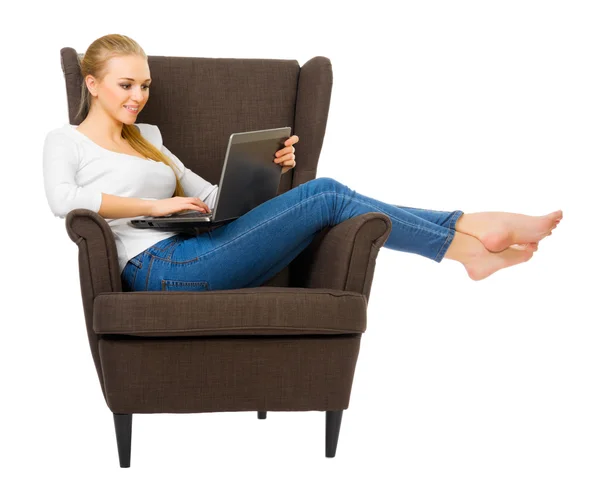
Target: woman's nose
137,95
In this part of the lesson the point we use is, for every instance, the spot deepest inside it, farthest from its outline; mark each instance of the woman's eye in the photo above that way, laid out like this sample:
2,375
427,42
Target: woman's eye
124,85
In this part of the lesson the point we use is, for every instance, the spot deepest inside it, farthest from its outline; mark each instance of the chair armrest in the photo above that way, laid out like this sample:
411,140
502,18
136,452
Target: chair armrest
98,258
98,267
343,257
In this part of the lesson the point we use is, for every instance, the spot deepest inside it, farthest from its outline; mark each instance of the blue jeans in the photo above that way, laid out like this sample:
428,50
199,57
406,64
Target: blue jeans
252,249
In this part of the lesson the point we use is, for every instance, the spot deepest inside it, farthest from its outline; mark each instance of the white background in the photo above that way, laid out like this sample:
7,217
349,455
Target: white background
472,105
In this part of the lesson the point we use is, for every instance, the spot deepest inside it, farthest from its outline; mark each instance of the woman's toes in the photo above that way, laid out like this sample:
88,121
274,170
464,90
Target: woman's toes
531,246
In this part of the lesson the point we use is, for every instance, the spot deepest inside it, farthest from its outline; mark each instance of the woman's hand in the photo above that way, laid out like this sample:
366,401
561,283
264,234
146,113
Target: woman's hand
286,157
164,207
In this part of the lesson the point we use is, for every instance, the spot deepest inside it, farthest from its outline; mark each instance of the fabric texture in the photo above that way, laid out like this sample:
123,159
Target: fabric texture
266,311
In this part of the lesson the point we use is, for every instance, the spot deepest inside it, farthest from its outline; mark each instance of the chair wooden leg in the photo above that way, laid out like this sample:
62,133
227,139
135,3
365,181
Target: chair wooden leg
333,422
123,431
262,415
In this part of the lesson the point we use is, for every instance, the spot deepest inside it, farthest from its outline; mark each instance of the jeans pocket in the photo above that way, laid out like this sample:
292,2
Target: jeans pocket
184,286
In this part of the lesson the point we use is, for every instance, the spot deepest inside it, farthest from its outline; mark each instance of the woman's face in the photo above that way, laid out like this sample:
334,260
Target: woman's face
127,84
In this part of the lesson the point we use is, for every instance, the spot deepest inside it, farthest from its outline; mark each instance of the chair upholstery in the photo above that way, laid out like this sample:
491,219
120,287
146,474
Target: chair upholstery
289,345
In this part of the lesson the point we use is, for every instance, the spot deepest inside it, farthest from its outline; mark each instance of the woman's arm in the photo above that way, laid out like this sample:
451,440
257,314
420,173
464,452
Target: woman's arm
61,162
114,207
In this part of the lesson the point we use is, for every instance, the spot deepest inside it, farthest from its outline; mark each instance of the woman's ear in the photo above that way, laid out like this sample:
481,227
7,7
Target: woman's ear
91,84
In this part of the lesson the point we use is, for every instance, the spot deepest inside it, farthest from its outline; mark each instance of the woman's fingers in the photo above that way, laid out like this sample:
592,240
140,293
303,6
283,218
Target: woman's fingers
293,139
286,150
290,156
199,203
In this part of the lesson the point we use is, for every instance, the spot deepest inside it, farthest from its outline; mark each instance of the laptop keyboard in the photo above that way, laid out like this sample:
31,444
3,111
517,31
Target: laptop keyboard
187,214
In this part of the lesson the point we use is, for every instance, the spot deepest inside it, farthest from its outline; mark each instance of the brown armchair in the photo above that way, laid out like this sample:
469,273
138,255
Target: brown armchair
289,345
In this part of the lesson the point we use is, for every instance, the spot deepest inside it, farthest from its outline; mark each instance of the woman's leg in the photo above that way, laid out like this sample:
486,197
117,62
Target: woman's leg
441,218
297,215
255,247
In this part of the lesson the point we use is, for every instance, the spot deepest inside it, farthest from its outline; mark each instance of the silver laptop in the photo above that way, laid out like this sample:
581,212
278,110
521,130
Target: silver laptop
248,179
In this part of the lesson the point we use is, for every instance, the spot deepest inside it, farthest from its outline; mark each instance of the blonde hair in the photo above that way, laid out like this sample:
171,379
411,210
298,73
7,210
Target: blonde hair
95,62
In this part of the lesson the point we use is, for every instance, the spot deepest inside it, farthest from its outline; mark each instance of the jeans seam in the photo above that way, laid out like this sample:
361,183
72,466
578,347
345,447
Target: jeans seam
148,273
175,262
135,272
454,218
405,222
183,284
451,233
165,249
445,245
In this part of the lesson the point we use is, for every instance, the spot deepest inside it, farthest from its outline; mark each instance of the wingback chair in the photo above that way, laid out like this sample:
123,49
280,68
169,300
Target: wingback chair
289,345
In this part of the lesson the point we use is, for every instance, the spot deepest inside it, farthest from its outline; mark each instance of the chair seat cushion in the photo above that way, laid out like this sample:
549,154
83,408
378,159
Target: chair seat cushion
258,310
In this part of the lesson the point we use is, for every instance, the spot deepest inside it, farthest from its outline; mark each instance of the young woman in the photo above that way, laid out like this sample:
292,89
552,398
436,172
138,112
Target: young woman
108,162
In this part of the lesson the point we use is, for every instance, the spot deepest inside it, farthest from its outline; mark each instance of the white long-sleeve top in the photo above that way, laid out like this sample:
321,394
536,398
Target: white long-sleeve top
77,171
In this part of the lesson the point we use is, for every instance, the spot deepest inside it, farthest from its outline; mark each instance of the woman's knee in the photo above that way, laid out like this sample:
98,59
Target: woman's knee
325,184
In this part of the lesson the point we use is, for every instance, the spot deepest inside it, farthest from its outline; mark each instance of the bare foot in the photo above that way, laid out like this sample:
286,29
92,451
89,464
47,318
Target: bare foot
498,230
481,263
526,246
484,263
